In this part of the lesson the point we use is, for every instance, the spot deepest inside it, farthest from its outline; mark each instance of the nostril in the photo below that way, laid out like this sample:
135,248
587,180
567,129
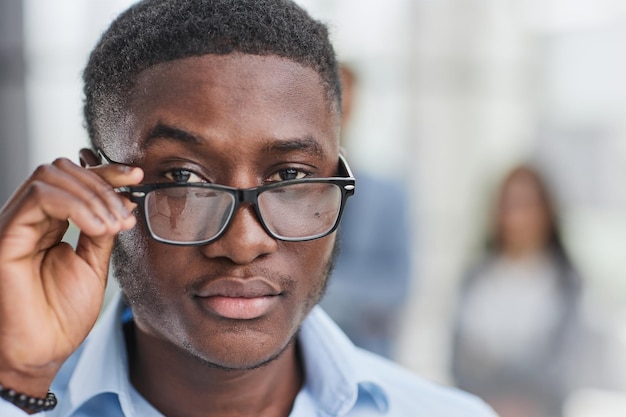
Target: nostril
244,240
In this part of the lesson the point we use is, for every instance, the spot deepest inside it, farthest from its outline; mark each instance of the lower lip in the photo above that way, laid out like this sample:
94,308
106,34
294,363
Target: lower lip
238,307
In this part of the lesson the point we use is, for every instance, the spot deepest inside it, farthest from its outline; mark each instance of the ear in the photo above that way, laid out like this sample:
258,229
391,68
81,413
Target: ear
88,158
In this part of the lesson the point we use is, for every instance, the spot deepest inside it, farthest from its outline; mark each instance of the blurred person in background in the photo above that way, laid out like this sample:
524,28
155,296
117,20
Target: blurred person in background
369,285
518,309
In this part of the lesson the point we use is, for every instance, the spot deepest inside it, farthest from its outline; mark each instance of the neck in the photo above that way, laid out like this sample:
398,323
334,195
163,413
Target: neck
180,385
520,252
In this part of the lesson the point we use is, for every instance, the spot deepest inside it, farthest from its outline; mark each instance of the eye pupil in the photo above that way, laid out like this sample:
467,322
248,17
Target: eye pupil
181,175
289,174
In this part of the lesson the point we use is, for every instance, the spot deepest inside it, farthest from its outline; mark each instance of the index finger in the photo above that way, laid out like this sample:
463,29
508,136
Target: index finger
116,174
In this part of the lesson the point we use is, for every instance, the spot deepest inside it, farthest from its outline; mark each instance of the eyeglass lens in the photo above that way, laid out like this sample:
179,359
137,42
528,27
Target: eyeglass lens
300,210
188,214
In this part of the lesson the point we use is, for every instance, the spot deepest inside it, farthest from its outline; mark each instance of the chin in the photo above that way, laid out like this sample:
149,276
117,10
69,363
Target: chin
238,353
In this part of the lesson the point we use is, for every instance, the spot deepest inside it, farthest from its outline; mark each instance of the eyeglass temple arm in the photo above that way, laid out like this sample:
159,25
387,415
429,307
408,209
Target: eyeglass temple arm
104,159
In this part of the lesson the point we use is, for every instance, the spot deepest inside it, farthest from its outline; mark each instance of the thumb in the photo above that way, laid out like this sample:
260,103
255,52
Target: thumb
96,252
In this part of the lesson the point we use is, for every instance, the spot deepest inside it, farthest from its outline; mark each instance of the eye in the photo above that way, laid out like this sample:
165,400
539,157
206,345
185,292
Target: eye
182,175
288,174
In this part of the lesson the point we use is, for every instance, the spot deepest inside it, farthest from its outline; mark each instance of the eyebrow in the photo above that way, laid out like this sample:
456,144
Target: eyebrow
307,144
163,131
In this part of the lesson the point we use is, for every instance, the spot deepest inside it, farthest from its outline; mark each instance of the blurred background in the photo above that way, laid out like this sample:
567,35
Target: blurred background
449,95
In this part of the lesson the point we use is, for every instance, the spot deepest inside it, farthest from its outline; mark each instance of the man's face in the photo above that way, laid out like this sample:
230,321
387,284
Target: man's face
243,121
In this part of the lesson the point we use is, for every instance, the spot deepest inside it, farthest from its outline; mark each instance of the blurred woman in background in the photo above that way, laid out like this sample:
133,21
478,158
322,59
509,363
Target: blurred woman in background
518,306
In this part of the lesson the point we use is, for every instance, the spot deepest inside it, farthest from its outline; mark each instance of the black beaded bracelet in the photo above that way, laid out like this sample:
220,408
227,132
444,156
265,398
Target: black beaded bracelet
26,402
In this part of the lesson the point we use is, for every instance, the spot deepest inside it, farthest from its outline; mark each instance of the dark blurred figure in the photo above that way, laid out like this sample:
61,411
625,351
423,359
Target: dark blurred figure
518,310
369,286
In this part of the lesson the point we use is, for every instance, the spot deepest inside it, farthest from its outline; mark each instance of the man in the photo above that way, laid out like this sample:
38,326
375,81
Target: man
216,183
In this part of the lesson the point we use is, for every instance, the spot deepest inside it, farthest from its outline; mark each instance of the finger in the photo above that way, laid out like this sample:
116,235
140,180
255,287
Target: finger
100,186
38,220
43,202
85,186
118,175
96,252
27,235
39,210
75,286
88,159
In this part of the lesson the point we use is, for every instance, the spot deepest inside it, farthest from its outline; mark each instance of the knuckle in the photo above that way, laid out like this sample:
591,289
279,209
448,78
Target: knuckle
62,163
43,171
102,188
103,194
37,190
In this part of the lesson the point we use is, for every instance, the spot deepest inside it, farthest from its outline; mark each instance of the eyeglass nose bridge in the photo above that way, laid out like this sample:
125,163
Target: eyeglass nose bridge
242,197
247,195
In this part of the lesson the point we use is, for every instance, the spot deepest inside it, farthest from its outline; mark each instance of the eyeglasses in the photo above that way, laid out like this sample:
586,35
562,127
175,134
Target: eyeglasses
199,213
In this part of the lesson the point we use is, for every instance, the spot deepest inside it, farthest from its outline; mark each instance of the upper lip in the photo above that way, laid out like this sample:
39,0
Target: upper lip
238,288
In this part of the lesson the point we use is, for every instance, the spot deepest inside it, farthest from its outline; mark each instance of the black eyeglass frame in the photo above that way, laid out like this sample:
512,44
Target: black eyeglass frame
137,194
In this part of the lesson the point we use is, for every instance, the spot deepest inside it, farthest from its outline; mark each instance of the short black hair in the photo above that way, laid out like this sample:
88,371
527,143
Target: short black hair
156,31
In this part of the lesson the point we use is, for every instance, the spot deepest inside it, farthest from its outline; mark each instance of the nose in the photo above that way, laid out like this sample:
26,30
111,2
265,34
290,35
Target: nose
244,241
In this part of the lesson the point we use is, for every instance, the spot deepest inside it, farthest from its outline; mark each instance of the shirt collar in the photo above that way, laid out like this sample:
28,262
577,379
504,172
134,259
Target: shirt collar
334,375
103,364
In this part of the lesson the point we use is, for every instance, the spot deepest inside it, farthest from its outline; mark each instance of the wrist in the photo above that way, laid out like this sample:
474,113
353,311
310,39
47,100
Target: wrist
29,384
29,404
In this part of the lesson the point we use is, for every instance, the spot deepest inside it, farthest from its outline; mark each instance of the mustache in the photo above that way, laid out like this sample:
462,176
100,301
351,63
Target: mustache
284,281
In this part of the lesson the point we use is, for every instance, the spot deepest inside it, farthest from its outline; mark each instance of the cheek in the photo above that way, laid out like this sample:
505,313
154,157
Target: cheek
148,256
311,257
314,262
136,268
145,271
128,254
130,250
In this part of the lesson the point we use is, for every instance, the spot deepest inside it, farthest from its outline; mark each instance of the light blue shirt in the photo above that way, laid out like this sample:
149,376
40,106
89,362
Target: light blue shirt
340,380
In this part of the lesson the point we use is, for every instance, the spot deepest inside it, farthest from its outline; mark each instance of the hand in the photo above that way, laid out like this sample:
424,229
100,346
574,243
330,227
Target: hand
51,294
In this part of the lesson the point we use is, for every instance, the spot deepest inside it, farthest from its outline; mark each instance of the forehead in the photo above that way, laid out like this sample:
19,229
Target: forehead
232,98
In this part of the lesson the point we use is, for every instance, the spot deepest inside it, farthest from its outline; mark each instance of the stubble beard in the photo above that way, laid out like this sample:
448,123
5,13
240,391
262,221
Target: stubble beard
138,290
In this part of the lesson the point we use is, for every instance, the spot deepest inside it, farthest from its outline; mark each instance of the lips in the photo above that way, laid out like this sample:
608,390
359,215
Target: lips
240,299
